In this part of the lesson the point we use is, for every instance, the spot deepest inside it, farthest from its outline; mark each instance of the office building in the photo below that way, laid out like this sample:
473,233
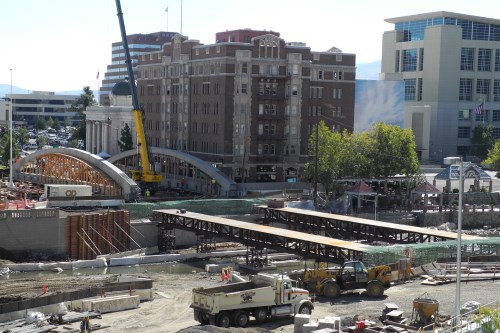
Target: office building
247,107
27,108
450,65
138,44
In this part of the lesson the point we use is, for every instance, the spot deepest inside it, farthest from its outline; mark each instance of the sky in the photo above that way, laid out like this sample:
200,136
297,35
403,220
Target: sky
61,45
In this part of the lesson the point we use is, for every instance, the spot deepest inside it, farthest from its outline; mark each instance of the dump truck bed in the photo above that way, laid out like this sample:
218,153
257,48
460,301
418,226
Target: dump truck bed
239,295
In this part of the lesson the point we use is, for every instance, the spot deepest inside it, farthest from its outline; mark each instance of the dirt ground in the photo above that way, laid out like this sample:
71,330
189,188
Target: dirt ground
170,311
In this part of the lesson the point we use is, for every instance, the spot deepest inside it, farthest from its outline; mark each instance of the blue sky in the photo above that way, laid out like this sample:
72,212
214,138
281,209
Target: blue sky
60,45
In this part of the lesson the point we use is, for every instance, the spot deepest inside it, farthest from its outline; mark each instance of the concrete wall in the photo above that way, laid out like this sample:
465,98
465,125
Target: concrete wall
145,233
39,230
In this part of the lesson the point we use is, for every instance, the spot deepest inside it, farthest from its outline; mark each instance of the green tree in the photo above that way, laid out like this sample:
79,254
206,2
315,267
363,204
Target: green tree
23,136
482,140
328,155
5,148
56,125
73,143
68,121
50,122
85,100
493,160
41,124
126,142
394,151
42,141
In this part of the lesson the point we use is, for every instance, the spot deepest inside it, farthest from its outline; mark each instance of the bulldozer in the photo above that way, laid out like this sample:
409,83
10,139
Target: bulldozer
331,281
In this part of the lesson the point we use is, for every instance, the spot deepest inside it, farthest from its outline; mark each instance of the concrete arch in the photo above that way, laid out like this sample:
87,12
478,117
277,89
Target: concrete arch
227,186
129,186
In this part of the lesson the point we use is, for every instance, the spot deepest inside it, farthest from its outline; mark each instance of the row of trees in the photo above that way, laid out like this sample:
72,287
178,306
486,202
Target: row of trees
383,151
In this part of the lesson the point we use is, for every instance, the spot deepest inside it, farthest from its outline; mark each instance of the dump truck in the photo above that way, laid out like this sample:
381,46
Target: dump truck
331,281
264,296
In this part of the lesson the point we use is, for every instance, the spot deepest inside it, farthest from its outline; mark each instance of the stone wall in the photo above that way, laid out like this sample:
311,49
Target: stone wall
470,219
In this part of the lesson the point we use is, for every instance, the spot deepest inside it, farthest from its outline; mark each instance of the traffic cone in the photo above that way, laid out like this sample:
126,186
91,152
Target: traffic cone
223,275
44,287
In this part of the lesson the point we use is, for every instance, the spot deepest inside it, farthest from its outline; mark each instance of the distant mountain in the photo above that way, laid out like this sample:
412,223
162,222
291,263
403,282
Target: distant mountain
368,71
5,90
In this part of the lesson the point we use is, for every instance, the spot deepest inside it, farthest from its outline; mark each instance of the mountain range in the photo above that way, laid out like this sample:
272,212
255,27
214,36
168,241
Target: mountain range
367,71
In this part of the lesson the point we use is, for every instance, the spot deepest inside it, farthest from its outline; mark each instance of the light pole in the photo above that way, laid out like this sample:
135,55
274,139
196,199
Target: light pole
11,182
459,241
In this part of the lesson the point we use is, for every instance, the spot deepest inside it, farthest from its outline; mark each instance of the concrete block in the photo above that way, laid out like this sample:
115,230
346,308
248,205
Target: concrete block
310,327
213,268
324,330
299,321
417,271
326,323
428,267
111,304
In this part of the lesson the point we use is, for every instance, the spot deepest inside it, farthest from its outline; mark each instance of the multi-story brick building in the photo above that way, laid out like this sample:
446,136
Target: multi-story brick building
247,107
138,44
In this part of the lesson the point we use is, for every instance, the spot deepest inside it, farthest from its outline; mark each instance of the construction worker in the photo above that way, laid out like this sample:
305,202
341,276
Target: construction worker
85,325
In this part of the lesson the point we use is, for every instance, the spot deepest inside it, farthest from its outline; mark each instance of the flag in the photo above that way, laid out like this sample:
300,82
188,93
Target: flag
97,76
479,109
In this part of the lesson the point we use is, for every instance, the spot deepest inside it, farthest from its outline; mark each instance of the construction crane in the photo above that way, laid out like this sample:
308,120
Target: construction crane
146,174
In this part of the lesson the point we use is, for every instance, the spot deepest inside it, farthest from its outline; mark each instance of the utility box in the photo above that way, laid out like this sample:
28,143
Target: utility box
70,191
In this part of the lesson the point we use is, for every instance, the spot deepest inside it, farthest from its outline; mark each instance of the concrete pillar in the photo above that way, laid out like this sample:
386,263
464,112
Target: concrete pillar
105,137
88,131
91,148
99,137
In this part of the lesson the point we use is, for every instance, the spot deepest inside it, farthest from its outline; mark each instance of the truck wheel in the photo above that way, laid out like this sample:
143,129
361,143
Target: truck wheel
375,288
260,315
223,320
202,319
305,309
331,289
240,318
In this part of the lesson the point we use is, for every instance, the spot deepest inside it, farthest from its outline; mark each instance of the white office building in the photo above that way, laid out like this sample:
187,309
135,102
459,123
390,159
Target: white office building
450,64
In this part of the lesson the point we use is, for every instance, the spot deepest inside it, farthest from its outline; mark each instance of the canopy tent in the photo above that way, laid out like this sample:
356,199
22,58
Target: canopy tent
470,170
427,189
361,190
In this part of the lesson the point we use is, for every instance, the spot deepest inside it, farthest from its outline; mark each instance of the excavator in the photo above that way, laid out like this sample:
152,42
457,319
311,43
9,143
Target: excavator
146,175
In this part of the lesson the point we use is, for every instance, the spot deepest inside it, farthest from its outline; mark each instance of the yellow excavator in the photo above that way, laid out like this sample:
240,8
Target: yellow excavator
331,281
146,174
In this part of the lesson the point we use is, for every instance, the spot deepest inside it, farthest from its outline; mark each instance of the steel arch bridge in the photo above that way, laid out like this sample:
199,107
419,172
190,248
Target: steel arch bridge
108,177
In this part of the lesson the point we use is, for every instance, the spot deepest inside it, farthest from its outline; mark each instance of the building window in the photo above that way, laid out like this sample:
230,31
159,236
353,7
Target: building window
243,88
410,89
496,115
497,60
464,114
496,133
496,91
320,75
484,60
410,60
482,117
244,68
463,132
396,65
465,93
206,88
420,89
467,59
463,150
421,60
483,90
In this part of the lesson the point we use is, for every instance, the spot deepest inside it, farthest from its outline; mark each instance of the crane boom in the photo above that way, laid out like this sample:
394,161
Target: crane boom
146,172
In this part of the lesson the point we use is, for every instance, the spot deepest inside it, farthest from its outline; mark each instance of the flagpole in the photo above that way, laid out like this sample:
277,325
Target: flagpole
167,17
11,182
